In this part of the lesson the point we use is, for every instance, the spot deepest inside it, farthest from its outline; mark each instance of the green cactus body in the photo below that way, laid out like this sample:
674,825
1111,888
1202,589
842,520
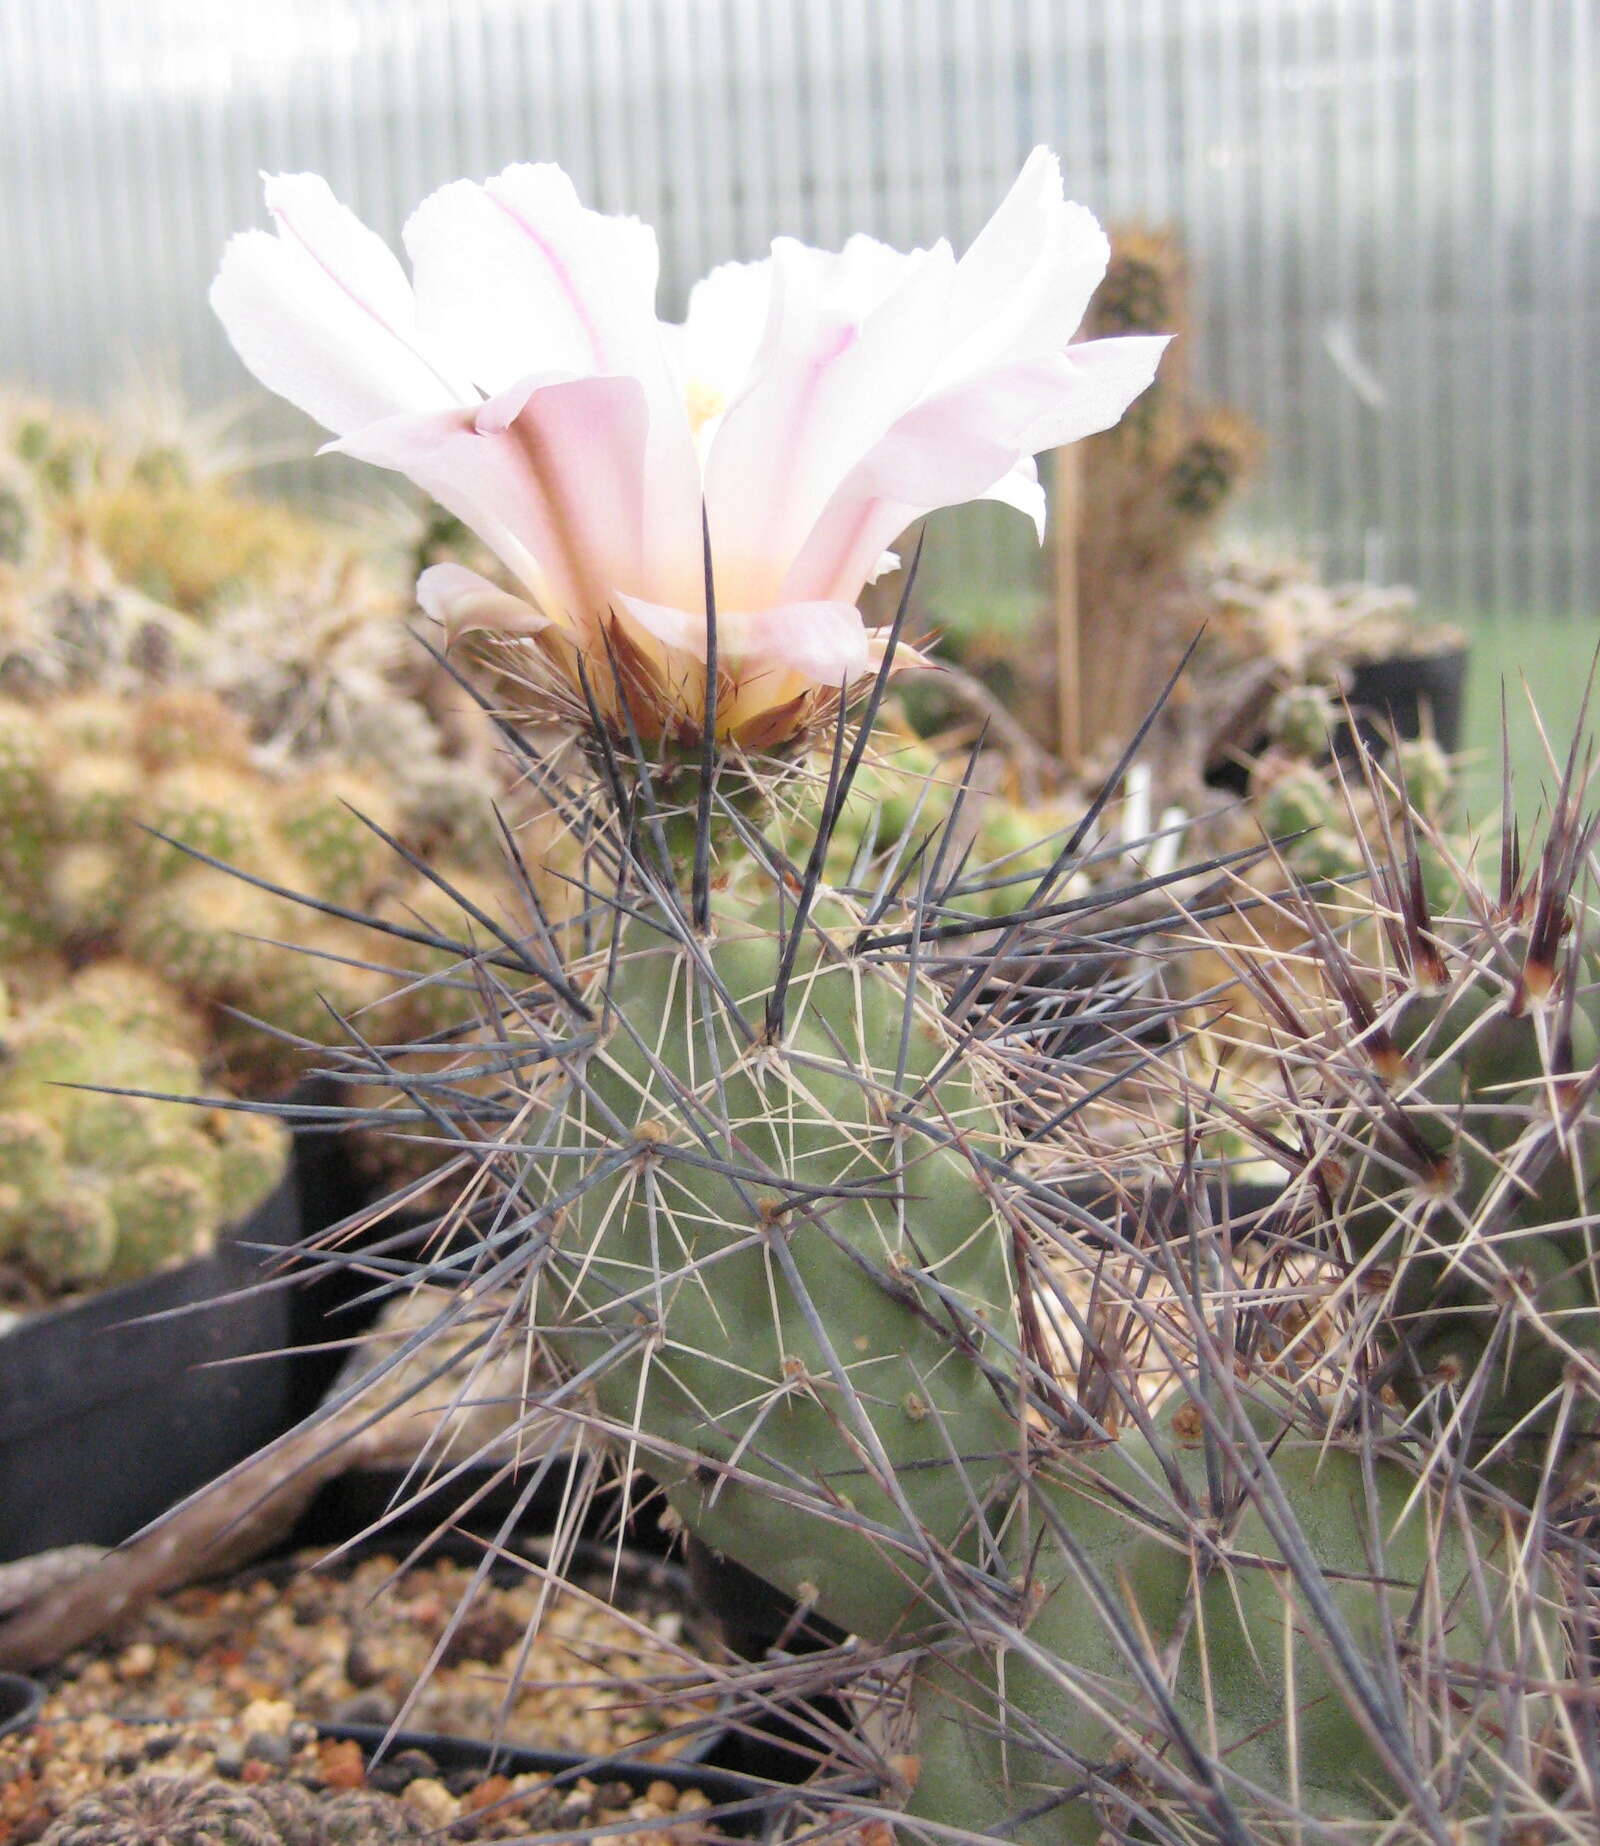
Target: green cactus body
1019,845
31,1168
69,1238
95,798
1245,1663
727,1369
1429,777
1295,801
204,932
86,894
119,991
251,1153
164,1215
212,810
1301,722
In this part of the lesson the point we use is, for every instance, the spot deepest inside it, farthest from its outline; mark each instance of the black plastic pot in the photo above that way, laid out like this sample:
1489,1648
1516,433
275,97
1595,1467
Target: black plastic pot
1390,698
109,1416
20,1700
743,1804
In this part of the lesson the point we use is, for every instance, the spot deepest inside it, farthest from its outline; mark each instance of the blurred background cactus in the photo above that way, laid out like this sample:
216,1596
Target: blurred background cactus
95,1188
179,655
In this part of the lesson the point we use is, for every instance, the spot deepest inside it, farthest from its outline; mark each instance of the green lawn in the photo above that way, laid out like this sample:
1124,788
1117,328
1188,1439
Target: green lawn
1547,659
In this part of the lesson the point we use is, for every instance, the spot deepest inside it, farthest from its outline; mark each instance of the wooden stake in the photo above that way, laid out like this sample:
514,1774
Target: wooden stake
1065,498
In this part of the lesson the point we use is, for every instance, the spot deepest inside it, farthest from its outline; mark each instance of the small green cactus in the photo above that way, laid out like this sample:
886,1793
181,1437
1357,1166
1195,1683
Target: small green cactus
223,813
1301,721
323,818
24,818
1297,800
68,1237
101,1188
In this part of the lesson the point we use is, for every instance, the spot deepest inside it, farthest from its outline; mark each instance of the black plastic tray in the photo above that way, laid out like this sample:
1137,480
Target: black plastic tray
108,1417
743,1804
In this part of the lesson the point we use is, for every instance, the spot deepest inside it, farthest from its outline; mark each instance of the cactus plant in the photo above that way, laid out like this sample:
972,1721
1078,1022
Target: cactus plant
169,1810
772,1227
776,1174
101,1188
1460,1139
83,776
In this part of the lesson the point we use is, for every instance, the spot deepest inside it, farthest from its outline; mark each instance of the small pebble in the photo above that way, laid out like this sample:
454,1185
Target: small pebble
269,1747
343,1765
271,1717
365,1708
432,1800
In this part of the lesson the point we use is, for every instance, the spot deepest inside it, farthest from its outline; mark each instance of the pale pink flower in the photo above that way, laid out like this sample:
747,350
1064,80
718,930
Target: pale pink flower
814,404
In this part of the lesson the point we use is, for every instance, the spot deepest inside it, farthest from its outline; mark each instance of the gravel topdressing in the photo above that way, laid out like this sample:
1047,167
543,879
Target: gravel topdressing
44,1771
230,1680
349,1645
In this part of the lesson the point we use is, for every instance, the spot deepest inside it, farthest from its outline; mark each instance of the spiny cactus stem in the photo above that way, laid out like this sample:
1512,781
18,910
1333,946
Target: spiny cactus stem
708,743
1150,1672
519,963
1071,907
675,927
812,877
512,943
526,889
840,784
1250,1459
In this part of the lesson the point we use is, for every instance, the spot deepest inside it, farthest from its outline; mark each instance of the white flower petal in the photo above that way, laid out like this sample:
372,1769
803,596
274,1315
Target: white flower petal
460,600
825,389
1024,283
723,331
825,643
521,276
322,314
969,444
1020,487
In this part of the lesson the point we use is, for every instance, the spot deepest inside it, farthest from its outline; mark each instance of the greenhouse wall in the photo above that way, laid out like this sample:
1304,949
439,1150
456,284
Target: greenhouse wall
1391,204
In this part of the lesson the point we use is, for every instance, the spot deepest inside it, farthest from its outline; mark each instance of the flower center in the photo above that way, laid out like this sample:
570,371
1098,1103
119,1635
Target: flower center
704,403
